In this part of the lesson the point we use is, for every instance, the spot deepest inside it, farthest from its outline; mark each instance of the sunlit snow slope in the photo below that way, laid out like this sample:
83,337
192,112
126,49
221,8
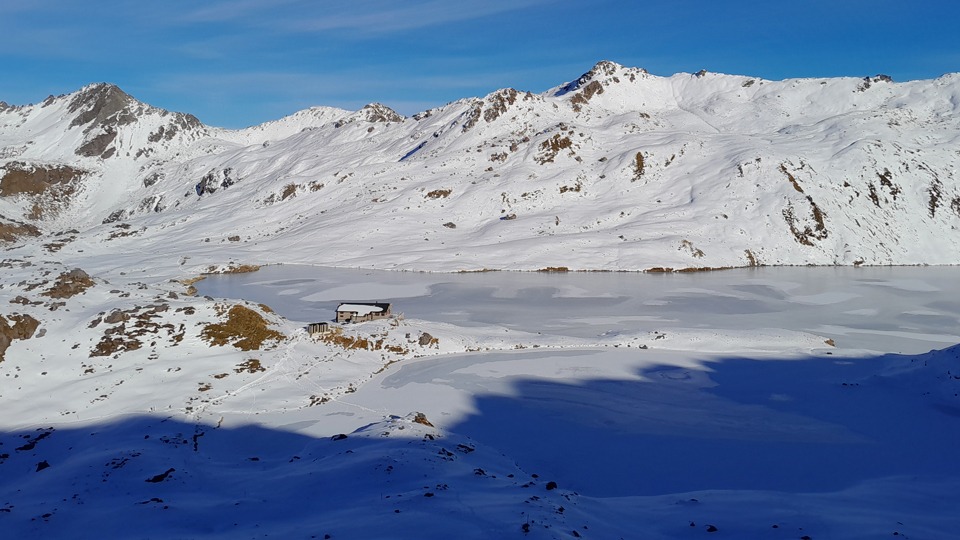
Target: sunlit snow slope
618,170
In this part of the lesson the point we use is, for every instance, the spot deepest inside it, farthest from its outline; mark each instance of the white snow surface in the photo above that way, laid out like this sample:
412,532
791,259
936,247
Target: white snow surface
760,402
618,170
723,399
360,309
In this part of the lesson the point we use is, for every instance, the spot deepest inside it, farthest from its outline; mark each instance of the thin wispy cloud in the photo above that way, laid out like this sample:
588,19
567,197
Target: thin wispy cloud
388,17
366,18
235,10
238,62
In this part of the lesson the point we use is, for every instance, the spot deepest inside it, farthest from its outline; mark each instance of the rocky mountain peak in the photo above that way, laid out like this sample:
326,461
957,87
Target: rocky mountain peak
372,112
603,73
378,112
102,104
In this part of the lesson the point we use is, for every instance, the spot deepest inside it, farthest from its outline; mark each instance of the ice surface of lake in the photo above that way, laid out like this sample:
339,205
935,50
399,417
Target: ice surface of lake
886,309
681,416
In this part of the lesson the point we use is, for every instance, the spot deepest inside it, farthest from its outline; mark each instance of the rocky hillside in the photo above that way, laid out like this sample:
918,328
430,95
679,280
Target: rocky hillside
616,170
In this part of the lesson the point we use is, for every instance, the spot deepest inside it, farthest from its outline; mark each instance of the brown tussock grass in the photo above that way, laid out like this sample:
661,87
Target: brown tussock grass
244,328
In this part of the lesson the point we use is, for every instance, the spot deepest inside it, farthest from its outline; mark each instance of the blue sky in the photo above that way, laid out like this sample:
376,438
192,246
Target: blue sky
242,62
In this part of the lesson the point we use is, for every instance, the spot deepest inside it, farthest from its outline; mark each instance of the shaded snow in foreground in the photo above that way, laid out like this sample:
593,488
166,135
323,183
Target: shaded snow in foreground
818,447
737,415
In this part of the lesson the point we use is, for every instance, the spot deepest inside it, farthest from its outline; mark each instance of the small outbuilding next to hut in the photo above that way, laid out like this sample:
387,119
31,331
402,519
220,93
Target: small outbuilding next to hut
318,328
354,312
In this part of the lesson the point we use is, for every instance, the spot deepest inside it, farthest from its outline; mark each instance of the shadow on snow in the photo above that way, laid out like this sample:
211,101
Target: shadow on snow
793,426
809,425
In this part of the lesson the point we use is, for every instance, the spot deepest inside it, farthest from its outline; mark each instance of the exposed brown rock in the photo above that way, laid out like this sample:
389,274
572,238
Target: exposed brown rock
804,233
420,418
13,327
378,112
426,340
99,103
439,193
499,102
232,269
99,145
551,147
582,98
638,165
69,284
11,231
31,179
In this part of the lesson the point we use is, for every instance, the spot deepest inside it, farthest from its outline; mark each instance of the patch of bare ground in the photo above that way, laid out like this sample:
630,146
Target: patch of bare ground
11,230
29,179
583,97
805,233
289,191
499,103
668,270
250,365
49,187
694,252
439,193
122,230
638,166
232,269
886,181
62,238
936,193
244,328
790,177
69,284
703,269
132,327
338,338
554,269
551,147
13,327
421,418
577,188
426,340
188,283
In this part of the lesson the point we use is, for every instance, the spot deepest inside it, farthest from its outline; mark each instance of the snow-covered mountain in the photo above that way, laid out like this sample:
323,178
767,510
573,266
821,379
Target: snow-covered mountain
534,405
618,169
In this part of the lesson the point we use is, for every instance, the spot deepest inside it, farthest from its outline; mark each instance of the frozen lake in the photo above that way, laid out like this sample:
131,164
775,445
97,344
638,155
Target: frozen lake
887,309
618,422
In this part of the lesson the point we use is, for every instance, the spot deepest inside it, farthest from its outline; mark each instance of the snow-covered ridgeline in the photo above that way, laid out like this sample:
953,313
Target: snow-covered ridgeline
617,170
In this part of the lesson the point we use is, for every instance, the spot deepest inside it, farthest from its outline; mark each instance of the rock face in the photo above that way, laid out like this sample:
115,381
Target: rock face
101,109
69,284
101,105
11,231
616,170
14,327
21,178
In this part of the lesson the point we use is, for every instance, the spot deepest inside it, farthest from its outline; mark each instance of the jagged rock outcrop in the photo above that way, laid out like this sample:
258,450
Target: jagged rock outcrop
13,327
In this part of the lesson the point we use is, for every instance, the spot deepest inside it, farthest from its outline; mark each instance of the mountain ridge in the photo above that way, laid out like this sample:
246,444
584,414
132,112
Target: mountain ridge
615,170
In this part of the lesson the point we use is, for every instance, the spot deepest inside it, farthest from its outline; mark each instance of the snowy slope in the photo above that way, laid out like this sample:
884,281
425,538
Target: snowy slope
123,419
618,169
743,403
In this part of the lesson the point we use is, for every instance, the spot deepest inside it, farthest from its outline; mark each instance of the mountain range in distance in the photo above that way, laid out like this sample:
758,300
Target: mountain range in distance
616,170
